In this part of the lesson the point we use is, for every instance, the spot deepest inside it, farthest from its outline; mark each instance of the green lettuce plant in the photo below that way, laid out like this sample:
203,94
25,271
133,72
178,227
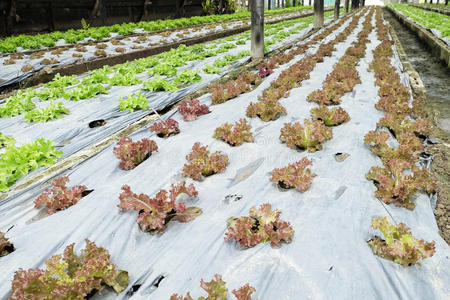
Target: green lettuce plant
133,102
159,84
52,112
17,161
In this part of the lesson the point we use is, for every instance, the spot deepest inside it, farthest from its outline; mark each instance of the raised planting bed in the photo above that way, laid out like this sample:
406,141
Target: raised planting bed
75,59
76,112
334,224
430,27
439,8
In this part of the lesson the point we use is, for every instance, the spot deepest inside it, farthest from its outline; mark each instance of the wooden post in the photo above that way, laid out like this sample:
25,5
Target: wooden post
337,4
102,12
11,19
318,13
257,27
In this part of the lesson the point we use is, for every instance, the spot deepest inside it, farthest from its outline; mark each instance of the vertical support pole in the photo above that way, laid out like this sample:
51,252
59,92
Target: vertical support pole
337,4
11,19
102,12
257,25
318,13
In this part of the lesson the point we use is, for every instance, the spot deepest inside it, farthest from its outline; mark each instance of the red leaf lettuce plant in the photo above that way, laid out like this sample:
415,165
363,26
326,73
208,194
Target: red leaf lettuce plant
190,110
408,149
399,245
330,117
266,110
5,245
131,154
399,181
265,69
217,290
234,136
221,93
400,125
202,163
309,137
263,225
70,276
155,213
59,197
296,175
166,128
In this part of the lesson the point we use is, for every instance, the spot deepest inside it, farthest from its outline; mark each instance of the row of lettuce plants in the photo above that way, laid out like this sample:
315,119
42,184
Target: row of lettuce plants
64,274
10,44
114,46
92,85
17,161
425,18
99,81
401,176
94,269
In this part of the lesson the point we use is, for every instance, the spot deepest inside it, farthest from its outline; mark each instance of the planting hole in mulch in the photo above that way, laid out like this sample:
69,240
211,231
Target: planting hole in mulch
86,192
158,280
7,250
133,289
283,187
340,156
97,123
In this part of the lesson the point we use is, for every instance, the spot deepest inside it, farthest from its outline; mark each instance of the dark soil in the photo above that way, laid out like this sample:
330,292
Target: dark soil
436,78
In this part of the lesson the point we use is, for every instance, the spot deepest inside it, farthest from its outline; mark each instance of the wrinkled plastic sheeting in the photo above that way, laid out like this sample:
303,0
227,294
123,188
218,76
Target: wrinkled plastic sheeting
328,257
71,133
12,74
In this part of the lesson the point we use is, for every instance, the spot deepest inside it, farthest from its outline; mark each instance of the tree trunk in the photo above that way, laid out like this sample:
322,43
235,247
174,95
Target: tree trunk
337,4
257,27
268,4
346,6
318,13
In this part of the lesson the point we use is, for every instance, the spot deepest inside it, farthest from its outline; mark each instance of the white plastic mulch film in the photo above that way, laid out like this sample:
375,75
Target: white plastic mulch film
328,257
72,133
13,73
